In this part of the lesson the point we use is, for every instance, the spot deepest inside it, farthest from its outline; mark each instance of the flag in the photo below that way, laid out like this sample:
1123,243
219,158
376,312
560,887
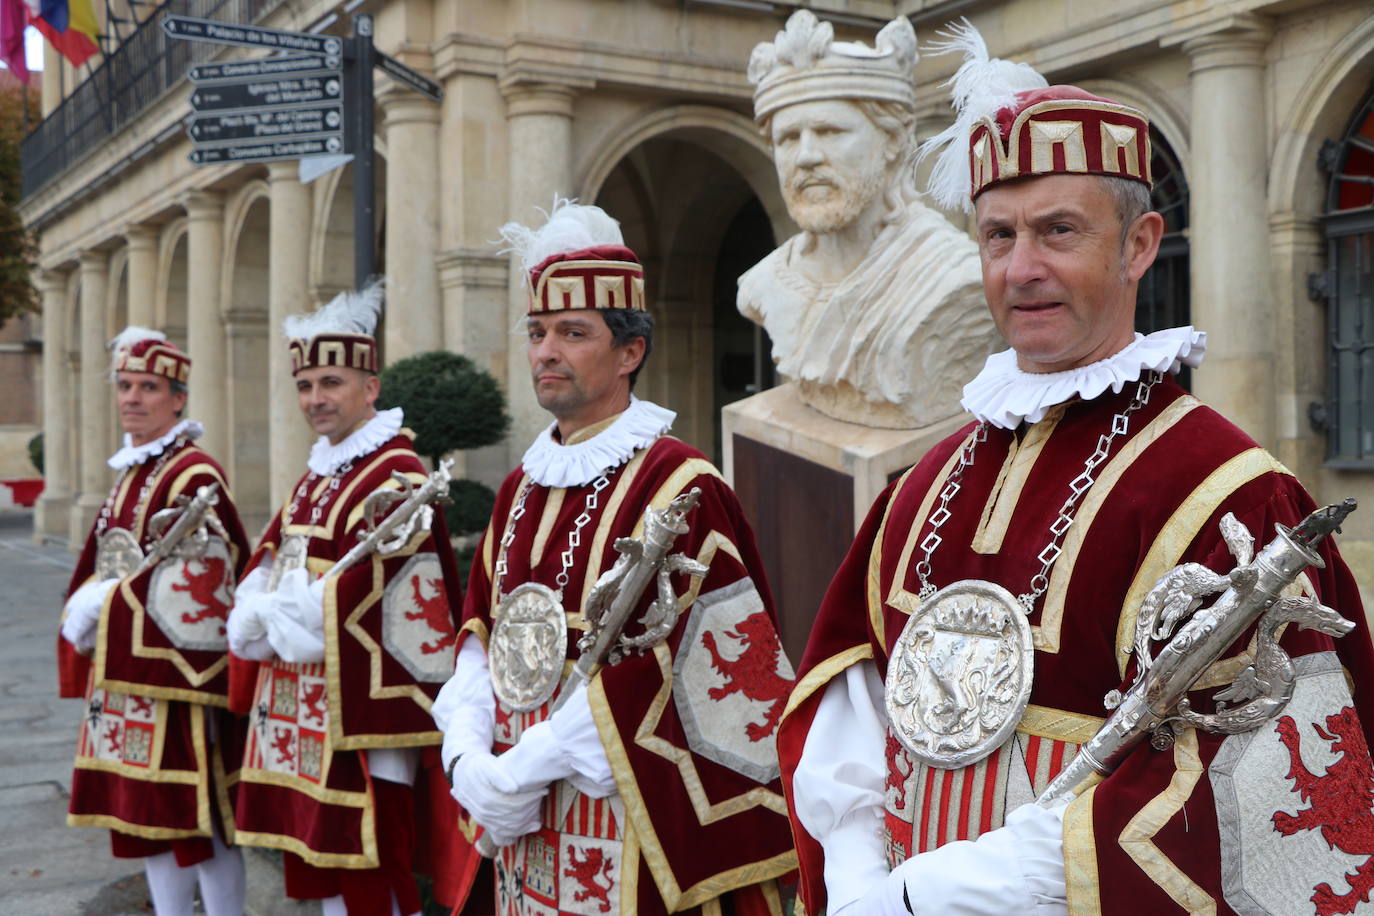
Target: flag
69,26
12,21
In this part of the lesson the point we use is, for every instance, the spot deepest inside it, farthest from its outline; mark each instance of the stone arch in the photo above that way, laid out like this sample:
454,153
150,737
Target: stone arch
116,319
331,236
1320,110
244,299
728,134
170,298
679,179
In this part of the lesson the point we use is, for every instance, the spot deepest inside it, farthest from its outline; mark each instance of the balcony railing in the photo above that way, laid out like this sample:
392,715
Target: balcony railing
134,76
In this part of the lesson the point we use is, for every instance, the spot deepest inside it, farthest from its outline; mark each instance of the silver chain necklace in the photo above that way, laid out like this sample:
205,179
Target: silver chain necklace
574,536
959,675
107,508
529,633
1077,487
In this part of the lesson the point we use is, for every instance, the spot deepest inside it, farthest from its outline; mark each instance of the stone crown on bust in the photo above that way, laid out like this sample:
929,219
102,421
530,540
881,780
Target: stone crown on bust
142,350
805,64
1059,129
339,333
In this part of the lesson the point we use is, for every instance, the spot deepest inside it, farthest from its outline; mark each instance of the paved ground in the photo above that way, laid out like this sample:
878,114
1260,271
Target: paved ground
46,867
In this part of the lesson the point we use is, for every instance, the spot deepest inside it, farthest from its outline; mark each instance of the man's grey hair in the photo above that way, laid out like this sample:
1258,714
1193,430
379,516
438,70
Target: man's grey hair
625,326
178,388
1131,197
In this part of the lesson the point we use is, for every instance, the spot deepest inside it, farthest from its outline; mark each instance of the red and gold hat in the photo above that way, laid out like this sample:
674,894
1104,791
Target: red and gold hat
576,260
600,277
138,349
355,351
1010,123
338,333
1059,130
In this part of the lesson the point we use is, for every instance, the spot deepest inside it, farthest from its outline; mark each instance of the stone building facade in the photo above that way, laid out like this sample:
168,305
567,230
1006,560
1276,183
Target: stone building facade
642,107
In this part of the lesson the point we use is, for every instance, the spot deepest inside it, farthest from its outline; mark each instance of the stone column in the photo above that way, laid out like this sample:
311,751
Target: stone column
539,120
414,321
142,275
1232,293
288,293
96,400
54,506
205,337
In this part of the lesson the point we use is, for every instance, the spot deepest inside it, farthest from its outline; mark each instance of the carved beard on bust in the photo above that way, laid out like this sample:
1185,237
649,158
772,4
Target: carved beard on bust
833,204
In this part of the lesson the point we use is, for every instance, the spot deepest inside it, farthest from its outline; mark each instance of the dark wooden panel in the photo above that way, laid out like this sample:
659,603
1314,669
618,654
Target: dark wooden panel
803,517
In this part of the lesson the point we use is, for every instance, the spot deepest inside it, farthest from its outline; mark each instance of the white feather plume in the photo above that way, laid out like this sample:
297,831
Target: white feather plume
569,226
979,88
347,313
127,338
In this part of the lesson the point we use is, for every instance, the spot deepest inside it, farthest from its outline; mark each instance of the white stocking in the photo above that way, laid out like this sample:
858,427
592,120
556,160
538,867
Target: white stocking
222,881
172,887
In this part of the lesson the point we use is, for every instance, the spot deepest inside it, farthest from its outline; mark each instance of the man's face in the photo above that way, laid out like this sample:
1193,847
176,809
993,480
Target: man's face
579,375
147,406
1059,279
336,399
832,162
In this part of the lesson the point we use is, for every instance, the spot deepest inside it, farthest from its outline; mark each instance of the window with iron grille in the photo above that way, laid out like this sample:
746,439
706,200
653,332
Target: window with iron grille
1162,298
1348,286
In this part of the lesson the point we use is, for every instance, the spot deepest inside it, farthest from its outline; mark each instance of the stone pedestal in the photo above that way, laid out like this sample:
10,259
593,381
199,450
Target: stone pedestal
806,482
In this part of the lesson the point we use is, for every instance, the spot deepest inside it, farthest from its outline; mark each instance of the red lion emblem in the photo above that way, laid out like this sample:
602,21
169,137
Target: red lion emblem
313,698
587,871
112,736
896,779
1340,801
754,673
203,588
142,705
435,613
282,739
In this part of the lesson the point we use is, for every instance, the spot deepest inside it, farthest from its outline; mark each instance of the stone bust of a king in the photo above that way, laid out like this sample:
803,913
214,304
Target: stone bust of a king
875,308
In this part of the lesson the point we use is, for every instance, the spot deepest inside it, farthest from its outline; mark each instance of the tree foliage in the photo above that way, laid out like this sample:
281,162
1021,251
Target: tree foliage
449,402
18,251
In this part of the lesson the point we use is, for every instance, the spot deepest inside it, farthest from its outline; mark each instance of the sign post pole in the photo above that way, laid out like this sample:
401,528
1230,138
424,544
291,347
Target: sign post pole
364,175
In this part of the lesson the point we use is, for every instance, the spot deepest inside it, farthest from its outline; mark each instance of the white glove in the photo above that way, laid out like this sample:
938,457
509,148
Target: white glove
83,613
295,625
245,628
487,792
1018,868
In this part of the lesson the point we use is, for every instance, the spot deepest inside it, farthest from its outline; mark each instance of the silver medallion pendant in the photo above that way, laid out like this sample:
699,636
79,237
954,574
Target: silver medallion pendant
117,554
959,676
529,640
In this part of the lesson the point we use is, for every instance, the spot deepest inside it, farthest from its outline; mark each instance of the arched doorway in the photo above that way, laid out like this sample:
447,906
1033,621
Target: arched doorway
172,285
699,206
245,273
1348,284
1163,296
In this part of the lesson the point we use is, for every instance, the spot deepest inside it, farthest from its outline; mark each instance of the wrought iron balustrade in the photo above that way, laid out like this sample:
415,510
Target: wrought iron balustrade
134,76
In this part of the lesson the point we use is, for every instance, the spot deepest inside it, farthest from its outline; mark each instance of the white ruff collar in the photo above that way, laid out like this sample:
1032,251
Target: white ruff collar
326,459
132,454
550,463
1006,396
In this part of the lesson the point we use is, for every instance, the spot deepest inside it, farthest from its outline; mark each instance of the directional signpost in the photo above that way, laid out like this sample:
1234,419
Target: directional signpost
313,99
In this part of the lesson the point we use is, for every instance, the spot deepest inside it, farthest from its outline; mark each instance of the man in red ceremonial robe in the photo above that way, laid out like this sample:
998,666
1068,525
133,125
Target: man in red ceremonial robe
1088,474
654,787
340,740
146,648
